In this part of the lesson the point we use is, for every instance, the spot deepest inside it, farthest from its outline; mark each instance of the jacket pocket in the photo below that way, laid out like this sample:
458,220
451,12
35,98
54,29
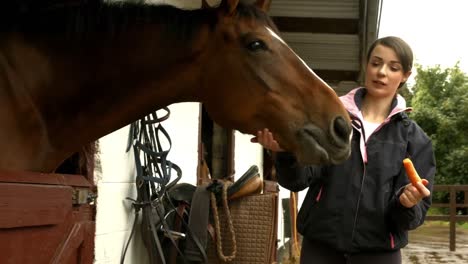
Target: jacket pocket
392,241
310,202
319,194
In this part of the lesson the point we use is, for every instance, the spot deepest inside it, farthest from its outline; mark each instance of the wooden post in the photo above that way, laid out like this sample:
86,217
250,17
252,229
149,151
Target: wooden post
294,245
453,214
466,198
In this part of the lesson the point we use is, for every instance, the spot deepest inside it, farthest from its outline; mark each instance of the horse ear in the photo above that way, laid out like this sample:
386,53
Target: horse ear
230,6
209,3
263,4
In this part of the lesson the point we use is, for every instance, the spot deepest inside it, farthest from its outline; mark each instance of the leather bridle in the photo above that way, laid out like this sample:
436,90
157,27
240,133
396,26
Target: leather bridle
153,180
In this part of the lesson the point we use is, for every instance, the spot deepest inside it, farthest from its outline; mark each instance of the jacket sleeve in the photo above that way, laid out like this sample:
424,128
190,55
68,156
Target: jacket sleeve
293,176
421,153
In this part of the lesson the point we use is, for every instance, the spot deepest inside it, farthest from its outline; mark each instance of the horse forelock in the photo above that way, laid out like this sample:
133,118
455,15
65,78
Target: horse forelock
250,11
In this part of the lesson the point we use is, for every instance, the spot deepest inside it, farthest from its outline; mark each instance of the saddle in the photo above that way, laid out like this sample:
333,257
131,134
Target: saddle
249,183
193,202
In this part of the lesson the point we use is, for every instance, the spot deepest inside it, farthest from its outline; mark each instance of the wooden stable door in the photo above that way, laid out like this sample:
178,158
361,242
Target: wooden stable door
46,218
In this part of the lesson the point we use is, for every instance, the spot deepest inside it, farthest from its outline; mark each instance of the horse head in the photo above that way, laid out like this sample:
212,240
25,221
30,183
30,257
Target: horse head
270,87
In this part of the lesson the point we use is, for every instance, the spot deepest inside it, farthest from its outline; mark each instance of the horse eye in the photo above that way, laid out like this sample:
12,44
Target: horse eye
256,45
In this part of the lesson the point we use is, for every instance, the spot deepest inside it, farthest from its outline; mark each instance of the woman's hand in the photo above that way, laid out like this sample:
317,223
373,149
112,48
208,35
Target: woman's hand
412,195
265,138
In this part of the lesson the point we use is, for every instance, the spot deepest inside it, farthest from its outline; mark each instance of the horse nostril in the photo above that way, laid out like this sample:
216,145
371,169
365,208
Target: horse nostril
341,129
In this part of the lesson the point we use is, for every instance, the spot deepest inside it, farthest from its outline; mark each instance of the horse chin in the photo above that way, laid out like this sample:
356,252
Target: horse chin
312,153
339,157
315,148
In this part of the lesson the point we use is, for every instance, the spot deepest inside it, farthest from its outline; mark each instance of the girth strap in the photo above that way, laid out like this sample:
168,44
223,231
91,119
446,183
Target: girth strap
198,223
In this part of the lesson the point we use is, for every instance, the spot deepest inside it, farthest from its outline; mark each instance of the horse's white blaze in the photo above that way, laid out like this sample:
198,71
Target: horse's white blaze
276,36
303,62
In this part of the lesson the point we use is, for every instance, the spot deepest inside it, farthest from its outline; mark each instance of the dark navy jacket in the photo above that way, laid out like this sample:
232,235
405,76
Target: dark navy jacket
354,207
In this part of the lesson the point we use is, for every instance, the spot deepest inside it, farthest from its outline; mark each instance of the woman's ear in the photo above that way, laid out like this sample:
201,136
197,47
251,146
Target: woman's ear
406,76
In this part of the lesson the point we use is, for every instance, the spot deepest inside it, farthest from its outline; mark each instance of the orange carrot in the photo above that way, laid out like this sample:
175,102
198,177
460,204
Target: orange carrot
411,171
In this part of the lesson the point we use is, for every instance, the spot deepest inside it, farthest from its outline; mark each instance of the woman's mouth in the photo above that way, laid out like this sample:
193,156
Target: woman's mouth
379,82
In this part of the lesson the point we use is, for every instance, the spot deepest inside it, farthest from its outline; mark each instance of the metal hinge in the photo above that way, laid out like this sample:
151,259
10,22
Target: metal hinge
83,196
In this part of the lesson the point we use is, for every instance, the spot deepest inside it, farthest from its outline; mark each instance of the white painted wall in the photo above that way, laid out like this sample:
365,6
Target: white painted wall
114,213
246,154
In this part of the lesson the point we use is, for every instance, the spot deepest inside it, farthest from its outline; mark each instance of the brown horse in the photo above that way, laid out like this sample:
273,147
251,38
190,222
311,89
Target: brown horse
71,73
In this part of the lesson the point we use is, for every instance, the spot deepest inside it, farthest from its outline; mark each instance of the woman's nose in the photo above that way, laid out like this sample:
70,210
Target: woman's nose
382,70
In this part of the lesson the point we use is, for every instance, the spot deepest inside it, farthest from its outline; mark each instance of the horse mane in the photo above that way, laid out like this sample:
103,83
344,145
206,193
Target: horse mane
80,18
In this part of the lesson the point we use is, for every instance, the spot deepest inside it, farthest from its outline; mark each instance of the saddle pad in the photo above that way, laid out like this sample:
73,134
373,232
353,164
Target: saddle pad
254,219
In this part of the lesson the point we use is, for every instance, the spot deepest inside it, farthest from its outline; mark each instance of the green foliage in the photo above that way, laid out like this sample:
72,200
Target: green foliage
406,93
440,102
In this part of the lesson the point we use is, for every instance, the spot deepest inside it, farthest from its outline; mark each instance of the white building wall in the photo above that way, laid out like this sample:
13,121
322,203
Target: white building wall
114,216
246,154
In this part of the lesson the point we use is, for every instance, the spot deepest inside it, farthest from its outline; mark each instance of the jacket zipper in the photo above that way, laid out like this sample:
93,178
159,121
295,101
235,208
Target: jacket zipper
387,120
361,128
358,202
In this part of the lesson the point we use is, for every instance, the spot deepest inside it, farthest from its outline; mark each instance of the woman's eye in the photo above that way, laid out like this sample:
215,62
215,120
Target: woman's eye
256,45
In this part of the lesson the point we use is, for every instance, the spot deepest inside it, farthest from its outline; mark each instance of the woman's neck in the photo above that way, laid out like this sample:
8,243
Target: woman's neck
375,110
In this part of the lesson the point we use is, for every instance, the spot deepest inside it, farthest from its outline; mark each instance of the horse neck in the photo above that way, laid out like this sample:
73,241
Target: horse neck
95,90
141,73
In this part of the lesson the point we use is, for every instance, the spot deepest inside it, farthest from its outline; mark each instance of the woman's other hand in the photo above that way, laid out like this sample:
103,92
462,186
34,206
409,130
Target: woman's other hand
412,195
265,138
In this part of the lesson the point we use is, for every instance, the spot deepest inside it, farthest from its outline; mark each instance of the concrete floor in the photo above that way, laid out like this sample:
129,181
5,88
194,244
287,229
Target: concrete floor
429,244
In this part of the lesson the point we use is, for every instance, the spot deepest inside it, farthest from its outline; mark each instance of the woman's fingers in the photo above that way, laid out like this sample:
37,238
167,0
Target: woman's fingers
422,190
405,201
412,195
258,138
425,182
265,138
272,143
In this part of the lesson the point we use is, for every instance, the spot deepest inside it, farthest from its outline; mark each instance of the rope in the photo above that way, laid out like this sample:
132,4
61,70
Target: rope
219,243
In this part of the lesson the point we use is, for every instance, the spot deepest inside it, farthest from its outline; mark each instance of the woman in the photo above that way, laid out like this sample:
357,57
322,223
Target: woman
360,211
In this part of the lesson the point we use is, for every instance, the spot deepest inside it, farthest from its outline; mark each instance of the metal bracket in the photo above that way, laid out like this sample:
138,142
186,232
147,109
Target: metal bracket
83,196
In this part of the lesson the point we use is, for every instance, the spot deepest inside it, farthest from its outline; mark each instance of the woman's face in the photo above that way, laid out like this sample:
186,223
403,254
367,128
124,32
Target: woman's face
384,72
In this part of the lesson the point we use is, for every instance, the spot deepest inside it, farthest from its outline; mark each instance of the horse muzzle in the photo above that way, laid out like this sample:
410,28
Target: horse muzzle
318,147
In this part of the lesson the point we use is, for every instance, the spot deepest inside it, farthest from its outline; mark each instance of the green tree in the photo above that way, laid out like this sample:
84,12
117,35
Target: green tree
440,100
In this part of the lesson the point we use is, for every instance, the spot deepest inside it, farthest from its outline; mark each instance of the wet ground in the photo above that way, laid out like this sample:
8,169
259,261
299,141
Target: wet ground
429,244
